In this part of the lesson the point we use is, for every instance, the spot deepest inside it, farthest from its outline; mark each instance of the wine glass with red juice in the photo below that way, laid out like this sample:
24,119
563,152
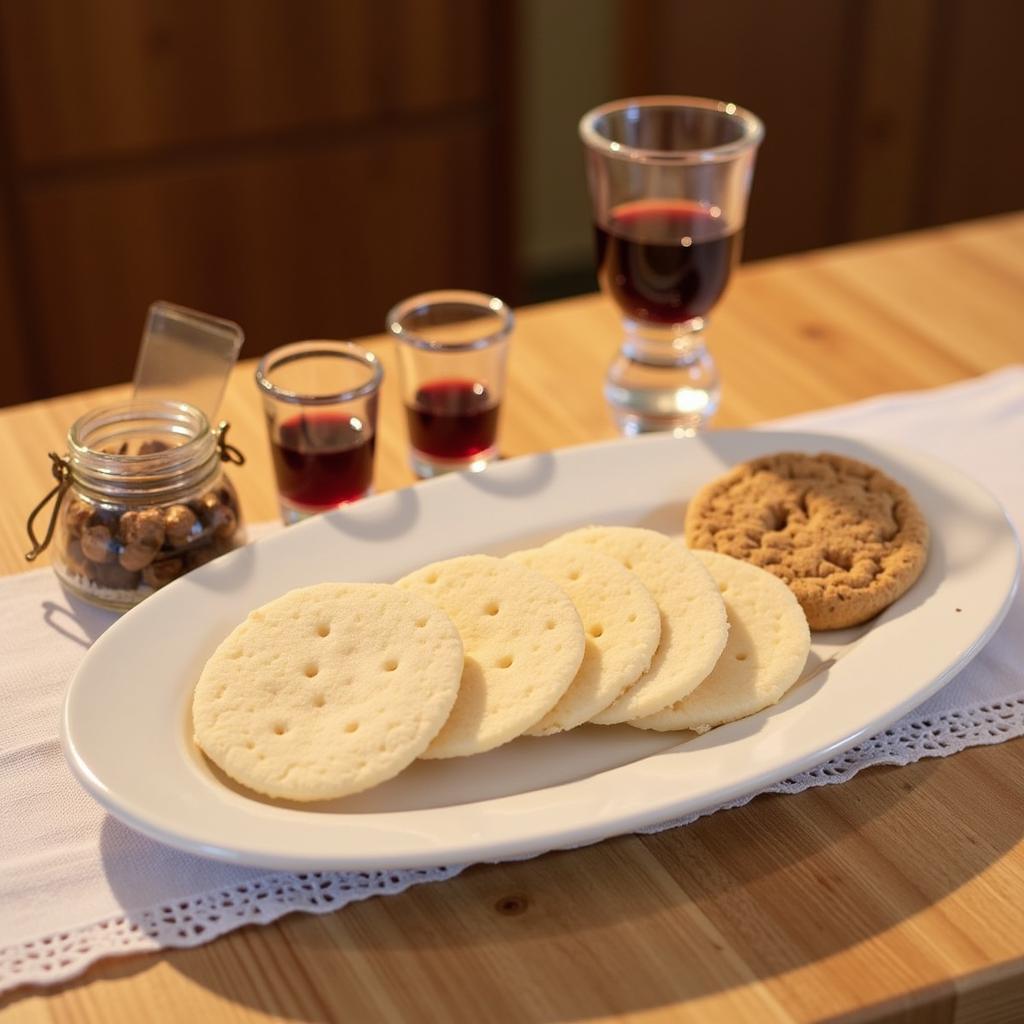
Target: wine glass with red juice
320,401
669,180
452,352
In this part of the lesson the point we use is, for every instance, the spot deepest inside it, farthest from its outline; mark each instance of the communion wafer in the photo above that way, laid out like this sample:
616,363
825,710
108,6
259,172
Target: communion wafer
523,643
328,690
693,623
620,621
764,656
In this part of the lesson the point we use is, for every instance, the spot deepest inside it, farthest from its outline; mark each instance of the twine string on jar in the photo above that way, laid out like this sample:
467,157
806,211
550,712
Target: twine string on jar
228,452
61,469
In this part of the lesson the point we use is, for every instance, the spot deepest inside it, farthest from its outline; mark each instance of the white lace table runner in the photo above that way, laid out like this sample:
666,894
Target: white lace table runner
76,885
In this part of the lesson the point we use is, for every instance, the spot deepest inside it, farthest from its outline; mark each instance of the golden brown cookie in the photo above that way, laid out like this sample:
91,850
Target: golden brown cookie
846,538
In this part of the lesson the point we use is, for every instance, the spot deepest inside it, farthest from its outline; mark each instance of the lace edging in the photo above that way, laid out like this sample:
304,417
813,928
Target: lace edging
197,919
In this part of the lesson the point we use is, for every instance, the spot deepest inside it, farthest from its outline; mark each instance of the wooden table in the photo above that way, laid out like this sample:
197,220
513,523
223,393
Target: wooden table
897,896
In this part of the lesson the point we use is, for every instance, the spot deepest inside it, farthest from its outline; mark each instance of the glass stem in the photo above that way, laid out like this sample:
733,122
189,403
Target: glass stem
669,345
663,378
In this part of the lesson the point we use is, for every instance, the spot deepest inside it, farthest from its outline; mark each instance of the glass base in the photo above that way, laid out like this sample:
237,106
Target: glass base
630,423
663,379
292,512
427,466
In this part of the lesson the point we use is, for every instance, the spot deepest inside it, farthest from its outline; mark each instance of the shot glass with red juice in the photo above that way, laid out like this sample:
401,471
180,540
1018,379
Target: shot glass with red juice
452,352
320,401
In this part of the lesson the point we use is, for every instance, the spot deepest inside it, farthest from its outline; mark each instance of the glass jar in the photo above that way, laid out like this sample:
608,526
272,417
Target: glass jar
142,499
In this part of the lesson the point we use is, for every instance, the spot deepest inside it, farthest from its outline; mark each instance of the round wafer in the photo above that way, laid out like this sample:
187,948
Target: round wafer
328,690
764,656
693,622
620,620
523,643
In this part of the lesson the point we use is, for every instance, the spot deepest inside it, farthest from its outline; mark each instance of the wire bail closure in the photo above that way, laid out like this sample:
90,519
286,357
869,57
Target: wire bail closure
61,469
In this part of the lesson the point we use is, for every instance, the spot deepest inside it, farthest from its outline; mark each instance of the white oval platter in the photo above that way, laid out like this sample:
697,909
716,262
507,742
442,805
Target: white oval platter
126,728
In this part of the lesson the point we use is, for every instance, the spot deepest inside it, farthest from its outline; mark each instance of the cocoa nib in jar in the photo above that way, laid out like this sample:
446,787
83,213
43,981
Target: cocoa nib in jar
151,447
218,512
74,559
112,575
180,524
223,521
98,545
162,571
76,516
141,533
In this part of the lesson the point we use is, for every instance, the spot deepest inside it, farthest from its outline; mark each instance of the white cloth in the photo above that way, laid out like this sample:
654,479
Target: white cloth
76,885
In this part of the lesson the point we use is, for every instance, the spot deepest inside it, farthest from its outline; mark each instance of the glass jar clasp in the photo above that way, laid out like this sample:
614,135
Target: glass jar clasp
61,469
228,452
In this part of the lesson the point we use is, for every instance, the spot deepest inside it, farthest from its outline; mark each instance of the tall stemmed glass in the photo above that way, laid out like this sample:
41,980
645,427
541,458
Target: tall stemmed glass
669,179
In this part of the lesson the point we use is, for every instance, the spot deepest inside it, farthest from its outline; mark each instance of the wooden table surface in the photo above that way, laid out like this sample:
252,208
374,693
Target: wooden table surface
896,896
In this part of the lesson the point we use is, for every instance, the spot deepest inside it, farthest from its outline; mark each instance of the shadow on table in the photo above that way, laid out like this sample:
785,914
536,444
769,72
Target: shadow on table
76,619
634,923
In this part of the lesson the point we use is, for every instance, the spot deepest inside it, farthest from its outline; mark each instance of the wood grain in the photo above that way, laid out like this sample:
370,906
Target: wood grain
965,164
121,77
898,896
887,129
16,378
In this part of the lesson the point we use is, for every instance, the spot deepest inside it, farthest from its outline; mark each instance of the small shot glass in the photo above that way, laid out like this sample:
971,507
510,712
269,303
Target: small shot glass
452,350
320,401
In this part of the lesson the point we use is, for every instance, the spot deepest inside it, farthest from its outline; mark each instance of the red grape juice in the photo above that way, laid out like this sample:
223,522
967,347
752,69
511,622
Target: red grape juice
452,419
323,459
665,261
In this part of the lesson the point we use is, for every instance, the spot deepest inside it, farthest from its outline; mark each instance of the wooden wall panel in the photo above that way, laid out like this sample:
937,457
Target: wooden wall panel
311,244
787,61
298,164
108,77
973,161
886,135
881,116
16,370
